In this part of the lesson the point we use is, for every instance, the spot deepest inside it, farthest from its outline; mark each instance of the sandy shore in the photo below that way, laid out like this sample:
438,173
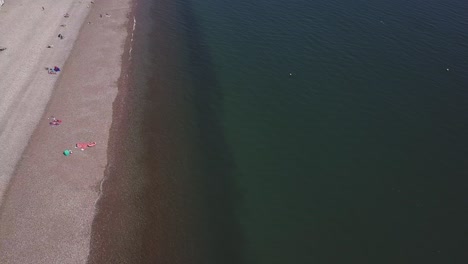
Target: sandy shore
48,199
25,86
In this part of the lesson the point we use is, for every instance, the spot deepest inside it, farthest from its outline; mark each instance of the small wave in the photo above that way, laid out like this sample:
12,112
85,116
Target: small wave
131,40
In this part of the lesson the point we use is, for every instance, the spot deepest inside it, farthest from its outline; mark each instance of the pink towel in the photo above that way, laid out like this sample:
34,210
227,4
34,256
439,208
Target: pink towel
85,145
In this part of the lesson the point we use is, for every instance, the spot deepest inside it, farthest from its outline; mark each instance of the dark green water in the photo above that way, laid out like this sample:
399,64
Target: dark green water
358,156
361,154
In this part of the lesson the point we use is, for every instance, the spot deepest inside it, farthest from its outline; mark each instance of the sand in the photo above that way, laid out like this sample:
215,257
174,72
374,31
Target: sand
25,86
48,200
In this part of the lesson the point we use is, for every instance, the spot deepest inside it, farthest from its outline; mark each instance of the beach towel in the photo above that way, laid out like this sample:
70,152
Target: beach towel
85,145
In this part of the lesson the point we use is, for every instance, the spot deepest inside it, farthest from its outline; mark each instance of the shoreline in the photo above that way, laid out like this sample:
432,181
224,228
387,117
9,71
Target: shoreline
49,207
144,214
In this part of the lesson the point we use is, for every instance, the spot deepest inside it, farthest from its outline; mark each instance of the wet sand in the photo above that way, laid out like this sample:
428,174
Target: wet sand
49,200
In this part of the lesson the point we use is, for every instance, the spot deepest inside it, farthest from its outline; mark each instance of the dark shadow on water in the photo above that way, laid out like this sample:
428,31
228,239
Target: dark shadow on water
221,199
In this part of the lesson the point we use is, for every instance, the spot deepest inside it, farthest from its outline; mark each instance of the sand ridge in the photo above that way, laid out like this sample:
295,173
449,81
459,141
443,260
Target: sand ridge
48,207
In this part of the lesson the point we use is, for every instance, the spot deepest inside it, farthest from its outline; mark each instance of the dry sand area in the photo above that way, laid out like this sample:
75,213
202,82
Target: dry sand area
47,199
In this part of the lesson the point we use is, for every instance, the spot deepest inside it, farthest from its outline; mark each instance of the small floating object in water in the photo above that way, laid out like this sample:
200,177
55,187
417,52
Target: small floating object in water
448,69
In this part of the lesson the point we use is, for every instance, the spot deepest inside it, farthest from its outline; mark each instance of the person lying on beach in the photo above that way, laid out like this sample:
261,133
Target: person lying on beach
51,71
55,122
